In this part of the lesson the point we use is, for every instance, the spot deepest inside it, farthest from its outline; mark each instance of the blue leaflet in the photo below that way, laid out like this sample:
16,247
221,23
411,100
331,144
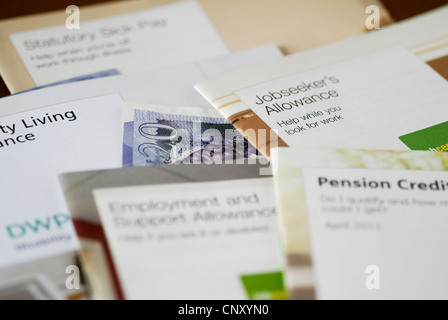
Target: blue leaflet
166,138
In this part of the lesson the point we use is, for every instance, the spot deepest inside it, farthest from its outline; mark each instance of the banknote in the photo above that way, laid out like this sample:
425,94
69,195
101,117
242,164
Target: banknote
129,110
160,138
128,141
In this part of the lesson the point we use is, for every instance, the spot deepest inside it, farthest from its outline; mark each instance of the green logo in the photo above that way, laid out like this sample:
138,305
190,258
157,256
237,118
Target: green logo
264,286
434,138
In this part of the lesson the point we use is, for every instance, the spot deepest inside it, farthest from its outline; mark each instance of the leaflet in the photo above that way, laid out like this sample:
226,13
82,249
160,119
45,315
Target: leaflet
363,224
167,35
36,146
366,102
378,234
349,94
201,240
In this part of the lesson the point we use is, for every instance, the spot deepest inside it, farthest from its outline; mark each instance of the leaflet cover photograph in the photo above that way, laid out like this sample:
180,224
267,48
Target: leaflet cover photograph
357,93
177,232
363,224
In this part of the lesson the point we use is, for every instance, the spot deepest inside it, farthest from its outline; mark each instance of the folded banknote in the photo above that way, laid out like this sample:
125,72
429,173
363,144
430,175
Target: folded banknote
160,138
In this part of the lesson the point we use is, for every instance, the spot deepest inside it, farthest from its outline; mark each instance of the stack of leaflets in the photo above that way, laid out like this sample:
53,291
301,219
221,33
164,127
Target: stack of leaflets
161,152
